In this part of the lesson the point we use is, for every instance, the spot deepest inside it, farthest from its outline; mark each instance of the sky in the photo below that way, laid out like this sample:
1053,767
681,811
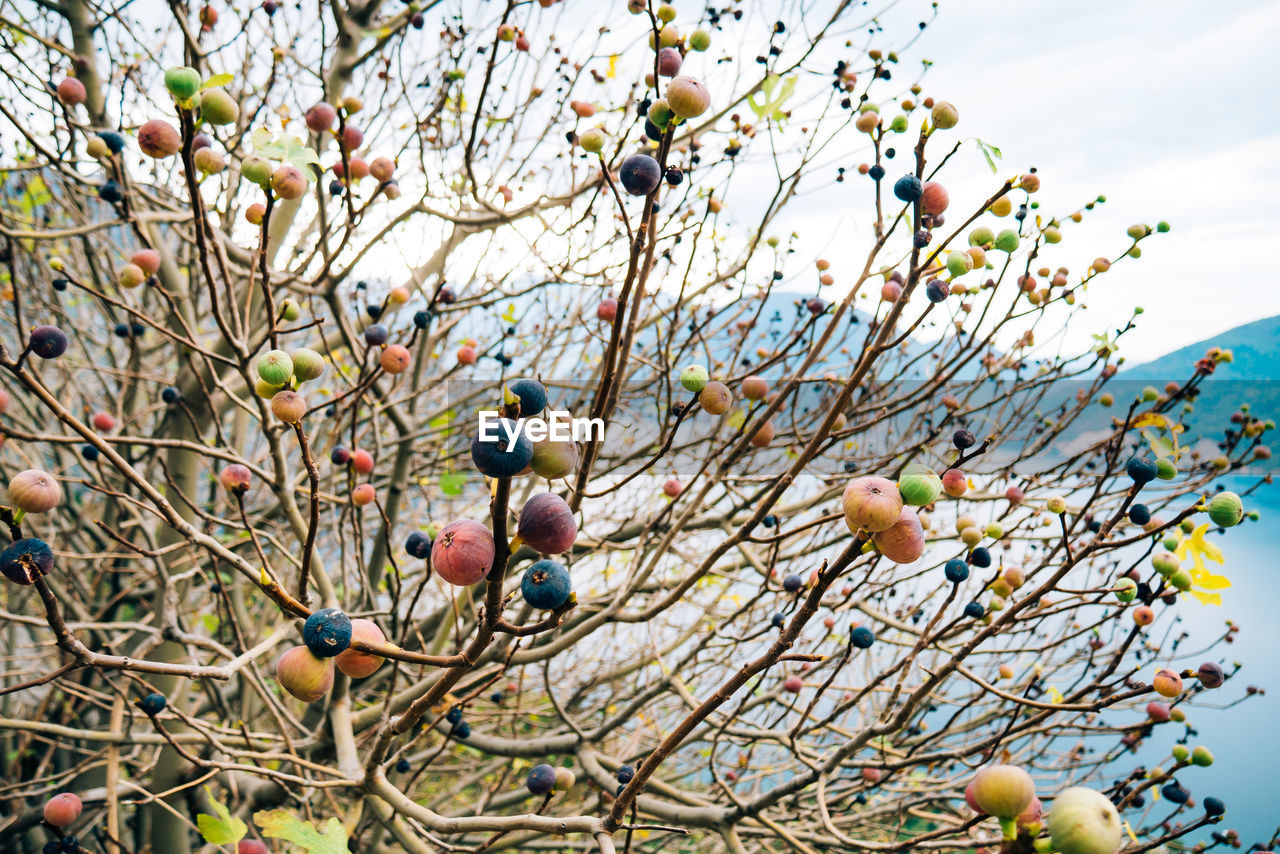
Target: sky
1167,107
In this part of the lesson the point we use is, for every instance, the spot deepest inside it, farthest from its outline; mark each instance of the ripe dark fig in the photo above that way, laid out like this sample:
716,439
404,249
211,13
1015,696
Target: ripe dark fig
546,585
1210,675
541,780
463,552
669,62
547,524
48,342
327,632
862,637
418,545
532,394
153,703
496,455
640,174
321,117
304,675
22,559
34,491
907,188
63,809
356,664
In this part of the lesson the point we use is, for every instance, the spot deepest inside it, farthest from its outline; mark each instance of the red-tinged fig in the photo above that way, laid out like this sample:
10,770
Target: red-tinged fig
871,504
288,182
933,198
463,552
321,117
1210,674
305,675
687,97
1158,712
554,460
363,494
4,400
872,775
104,421
157,138
254,846
148,260
763,435
890,291
1003,791
583,109
1014,495
352,137
1032,814
255,213
63,809
903,542
672,488
395,359
547,525
792,684
1167,683
968,798
71,92
1082,821
362,461
34,491
669,62
357,664
1143,615
954,483
715,398
755,388
288,406
467,355
209,162
235,478
607,310
359,168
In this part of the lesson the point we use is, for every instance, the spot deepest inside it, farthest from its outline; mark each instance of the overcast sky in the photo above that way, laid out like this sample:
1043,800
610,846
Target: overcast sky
1168,107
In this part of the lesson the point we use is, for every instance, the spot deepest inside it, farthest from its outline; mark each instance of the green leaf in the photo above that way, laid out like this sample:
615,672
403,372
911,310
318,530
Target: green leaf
226,829
451,483
218,80
282,824
210,623
768,104
290,149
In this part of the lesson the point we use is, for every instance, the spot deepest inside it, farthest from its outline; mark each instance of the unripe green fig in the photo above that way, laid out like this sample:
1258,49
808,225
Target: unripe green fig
1126,589
554,460
982,236
256,169
217,107
1083,821
593,140
1003,791
694,378
305,675
945,115
1226,510
699,40
1007,240
307,364
275,367
182,82
919,485
1202,757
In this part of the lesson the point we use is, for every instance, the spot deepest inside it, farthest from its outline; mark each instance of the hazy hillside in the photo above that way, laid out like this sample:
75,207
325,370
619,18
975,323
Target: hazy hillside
1256,347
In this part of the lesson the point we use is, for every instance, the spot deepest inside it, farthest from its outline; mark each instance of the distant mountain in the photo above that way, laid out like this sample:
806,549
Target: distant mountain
1255,348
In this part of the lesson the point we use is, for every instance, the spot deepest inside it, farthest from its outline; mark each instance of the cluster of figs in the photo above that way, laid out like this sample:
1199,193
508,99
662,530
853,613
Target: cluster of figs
30,492
462,553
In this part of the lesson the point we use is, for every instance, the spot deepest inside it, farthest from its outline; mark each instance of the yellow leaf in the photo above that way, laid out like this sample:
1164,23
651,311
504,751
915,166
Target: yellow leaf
1206,598
1055,696
613,67
1149,419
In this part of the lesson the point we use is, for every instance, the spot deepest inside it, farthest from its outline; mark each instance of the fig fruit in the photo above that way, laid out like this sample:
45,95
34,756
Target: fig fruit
357,664
304,675
871,504
546,585
463,552
1083,821
547,524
